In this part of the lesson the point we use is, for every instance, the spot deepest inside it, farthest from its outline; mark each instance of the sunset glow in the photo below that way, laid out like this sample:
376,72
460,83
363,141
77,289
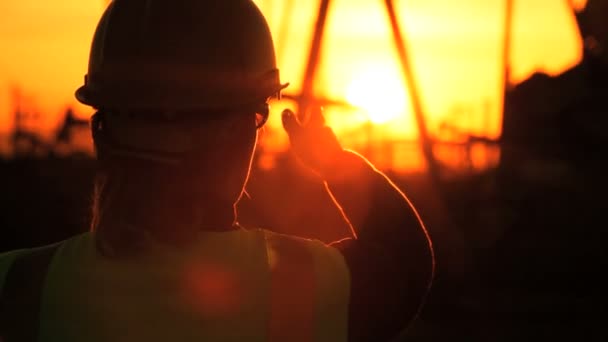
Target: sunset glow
379,92
455,50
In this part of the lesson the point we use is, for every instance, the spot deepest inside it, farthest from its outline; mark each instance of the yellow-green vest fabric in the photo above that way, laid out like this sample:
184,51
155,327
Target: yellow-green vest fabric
223,286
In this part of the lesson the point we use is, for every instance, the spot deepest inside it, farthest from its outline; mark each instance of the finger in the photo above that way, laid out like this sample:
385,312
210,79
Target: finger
316,118
290,122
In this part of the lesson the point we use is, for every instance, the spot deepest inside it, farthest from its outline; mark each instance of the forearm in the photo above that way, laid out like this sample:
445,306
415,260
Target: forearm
390,260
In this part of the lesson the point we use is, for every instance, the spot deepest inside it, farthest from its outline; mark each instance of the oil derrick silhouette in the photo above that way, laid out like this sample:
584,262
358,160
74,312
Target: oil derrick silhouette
25,142
70,123
552,183
68,133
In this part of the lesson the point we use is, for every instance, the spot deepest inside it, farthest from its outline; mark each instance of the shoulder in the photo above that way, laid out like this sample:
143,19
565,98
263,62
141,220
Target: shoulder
324,262
328,261
8,258
313,246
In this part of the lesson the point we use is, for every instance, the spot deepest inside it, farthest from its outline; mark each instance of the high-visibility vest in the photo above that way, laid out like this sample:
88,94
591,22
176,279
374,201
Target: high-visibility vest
242,285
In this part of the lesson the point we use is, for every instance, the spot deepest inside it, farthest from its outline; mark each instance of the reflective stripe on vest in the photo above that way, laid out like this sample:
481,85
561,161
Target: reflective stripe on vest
20,295
310,289
292,291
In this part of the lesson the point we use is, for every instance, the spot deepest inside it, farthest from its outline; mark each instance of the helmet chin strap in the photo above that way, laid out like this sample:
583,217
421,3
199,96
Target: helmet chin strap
107,146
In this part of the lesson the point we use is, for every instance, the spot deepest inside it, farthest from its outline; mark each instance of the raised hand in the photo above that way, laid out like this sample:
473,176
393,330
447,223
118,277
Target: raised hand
313,141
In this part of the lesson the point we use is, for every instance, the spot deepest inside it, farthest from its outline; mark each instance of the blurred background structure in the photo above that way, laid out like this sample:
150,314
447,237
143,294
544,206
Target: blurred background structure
489,114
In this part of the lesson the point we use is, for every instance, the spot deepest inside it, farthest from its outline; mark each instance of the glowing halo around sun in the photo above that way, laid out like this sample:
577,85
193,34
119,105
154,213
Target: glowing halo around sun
379,92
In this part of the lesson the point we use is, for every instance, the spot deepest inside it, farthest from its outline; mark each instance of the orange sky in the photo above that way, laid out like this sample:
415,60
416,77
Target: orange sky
455,47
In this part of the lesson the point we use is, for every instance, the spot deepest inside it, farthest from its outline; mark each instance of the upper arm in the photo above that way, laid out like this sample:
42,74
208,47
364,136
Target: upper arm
386,295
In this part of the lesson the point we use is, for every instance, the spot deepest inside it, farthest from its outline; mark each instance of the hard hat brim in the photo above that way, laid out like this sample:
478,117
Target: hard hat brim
167,97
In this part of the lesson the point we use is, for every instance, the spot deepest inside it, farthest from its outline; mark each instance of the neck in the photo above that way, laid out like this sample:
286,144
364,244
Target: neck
177,224
124,223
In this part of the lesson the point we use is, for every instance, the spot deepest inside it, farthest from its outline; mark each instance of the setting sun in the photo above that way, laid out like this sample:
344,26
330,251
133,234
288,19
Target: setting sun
379,92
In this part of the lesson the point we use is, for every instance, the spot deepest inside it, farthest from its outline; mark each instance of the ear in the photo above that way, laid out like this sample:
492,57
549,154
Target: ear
261,115
97,126
581,20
